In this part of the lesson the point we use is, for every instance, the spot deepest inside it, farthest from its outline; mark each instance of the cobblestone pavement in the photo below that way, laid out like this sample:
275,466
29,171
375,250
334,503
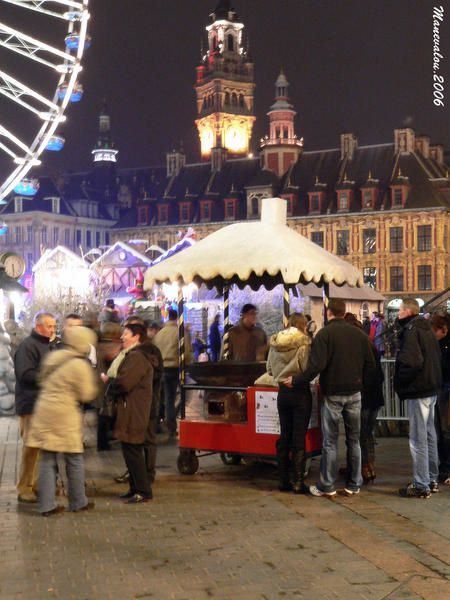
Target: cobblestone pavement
225,533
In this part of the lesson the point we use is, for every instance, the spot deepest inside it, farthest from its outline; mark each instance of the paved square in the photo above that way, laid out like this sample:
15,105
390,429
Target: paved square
225,533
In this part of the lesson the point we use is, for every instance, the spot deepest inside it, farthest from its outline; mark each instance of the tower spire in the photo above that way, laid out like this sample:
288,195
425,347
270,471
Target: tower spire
104,151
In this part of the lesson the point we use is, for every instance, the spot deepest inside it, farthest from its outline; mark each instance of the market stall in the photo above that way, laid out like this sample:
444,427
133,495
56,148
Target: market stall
222,410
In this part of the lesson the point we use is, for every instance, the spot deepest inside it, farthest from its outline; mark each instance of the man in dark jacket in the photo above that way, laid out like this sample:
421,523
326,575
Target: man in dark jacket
441,329
27,361
342,356
417,380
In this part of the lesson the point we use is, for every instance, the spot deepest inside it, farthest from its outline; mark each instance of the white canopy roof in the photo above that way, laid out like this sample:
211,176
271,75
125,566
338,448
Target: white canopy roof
265,252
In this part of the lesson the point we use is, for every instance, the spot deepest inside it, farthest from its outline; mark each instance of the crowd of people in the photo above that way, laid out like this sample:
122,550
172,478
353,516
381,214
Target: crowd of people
126,369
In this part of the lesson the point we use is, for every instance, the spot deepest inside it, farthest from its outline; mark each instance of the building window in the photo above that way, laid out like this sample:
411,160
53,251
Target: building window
67,237
185,212
97,239
343,201
164,244
317,238
230,209
396,274
30,262
424,277
397,197
88,239
142,215
370,276
106,238
55,205
55,236
424,238
230,40
205,211
255,206
367,199
396,239
44,237
162,214
29,234
314,203
342,242
18,205
18,234
369,241
78,238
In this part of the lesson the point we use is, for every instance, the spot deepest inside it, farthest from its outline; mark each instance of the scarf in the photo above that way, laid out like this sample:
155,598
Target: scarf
114,367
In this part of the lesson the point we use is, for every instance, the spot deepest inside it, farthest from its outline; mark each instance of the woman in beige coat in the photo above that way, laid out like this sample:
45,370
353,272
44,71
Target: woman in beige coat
67,380
288,356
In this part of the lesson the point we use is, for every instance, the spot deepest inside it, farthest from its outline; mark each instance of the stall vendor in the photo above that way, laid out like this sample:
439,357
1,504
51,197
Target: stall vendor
247,341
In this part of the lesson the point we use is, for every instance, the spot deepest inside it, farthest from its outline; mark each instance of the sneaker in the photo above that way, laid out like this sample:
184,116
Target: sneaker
55,511
411,491
27,498
125,478
314,491
434,487
349,492
126,495
137,499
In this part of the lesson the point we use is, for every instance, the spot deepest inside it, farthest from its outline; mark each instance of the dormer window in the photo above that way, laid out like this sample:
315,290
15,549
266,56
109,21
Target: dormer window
18,205
343,200
55,205
142,215
315,202
230,209
205,210
368,196
398,197
163,213
185,212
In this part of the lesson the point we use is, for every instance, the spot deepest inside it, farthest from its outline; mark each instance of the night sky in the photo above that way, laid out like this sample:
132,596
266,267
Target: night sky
362,66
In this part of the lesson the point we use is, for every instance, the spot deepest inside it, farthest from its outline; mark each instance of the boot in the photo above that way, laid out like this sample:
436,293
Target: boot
368,472
298,468
284,483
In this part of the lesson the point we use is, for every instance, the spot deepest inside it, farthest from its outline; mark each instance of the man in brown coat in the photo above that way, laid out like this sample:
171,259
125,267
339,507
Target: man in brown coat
247,342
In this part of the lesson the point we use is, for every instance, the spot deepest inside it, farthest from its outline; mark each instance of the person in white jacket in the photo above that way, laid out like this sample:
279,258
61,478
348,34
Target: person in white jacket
288,356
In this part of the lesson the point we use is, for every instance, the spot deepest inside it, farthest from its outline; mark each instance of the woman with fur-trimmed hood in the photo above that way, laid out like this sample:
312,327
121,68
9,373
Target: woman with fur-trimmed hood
288,356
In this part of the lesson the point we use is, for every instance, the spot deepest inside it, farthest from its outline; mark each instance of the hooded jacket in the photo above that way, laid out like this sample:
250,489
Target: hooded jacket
288,353
418,362
133,387
67,379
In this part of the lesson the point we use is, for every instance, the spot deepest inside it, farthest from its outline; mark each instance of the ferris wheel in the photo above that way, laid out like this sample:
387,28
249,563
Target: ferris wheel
59,66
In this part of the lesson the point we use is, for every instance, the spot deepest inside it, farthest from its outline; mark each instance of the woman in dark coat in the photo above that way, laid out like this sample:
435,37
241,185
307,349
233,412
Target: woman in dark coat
132,386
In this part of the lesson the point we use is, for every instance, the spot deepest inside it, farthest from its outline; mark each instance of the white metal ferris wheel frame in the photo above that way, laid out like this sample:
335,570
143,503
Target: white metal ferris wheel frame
50,112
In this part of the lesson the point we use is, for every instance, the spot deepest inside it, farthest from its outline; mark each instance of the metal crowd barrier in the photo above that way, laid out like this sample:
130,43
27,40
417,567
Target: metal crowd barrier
394,409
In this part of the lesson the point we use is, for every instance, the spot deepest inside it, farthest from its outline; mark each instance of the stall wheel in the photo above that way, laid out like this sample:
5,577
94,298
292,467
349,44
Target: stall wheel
230,459
187,462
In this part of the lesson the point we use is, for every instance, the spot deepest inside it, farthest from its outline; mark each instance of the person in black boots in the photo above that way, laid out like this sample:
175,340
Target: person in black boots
132,385
288,356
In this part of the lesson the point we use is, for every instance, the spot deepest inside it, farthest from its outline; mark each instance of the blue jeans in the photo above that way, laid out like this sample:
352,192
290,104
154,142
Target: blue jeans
423,441
332,408
48,468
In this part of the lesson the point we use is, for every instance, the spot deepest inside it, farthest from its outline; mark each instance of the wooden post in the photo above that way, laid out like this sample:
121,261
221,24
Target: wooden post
326,298
286,306
181,335
226,320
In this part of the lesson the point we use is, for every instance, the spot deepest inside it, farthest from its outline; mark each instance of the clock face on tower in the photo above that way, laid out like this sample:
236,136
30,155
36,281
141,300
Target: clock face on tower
235,139
14,265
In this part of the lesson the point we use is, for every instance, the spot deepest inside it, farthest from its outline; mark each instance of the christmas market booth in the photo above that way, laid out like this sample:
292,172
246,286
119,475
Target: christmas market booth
222,411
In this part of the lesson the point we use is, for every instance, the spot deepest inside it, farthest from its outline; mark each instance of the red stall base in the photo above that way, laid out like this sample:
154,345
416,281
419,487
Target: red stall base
241,438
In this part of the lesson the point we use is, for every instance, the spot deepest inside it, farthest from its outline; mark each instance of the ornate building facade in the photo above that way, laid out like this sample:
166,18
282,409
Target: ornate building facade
383,207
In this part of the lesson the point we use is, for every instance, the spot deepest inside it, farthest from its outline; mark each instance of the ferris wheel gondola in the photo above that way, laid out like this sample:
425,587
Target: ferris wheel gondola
62,65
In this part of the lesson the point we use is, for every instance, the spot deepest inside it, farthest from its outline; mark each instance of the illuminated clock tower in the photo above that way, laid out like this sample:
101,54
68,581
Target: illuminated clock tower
225,86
